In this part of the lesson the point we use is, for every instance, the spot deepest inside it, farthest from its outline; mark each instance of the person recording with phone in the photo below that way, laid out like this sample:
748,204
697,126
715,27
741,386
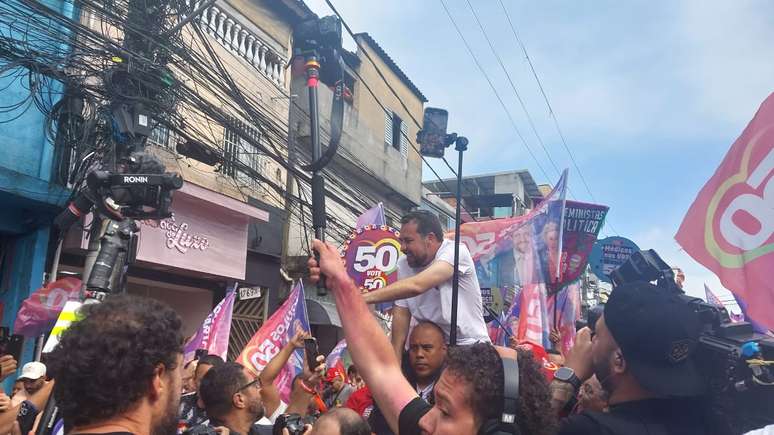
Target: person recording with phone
643,354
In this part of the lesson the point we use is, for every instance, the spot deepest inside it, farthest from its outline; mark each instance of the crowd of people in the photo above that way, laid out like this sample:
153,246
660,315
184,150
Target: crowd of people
120,370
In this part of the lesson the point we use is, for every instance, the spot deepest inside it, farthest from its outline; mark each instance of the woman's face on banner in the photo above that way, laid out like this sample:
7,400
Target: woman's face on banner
551,235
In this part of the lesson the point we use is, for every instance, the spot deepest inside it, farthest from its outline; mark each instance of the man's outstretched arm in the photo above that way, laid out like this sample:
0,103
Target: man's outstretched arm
371,351
269,393
438,272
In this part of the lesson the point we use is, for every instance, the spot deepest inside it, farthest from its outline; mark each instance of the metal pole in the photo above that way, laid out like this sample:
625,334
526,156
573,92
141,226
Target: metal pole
462,145
318,182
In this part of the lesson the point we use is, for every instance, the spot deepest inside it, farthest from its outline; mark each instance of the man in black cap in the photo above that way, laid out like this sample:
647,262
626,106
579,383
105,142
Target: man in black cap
643,355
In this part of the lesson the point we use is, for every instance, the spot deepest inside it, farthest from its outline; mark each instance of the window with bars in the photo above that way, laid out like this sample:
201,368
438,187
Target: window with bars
160,137
240,153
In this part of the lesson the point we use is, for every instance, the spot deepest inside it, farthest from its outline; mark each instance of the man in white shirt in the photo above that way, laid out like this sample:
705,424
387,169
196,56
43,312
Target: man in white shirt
423,291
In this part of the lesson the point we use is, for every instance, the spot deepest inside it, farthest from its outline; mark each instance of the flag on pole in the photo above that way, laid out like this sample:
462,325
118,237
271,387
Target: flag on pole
372,216
275,333
729,228
39,311
757,327
335,358
711,297
215,331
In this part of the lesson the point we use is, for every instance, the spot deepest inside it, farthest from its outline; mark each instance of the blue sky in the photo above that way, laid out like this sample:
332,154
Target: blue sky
649,95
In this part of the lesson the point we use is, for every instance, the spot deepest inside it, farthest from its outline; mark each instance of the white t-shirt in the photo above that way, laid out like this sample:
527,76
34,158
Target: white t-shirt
270,420
434,305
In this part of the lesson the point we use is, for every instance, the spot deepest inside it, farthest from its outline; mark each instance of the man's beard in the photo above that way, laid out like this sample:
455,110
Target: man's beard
256,408
167,424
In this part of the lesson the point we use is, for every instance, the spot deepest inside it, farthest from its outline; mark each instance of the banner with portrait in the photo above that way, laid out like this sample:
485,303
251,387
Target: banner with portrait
532,260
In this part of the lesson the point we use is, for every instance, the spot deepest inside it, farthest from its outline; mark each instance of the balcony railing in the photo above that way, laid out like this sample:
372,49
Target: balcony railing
235,37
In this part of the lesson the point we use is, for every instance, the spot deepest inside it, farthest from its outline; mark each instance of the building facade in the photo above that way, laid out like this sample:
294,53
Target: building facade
491,196
226,228
30,193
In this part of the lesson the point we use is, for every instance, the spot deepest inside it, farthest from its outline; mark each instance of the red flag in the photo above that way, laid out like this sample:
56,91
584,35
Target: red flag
730,226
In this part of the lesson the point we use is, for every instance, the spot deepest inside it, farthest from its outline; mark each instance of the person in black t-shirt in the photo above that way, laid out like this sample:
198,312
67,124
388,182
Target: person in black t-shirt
643,355
470,389
119,368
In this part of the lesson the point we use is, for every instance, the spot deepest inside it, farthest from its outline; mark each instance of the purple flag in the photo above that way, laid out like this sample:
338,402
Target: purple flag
372,216
334,359
711,297
214,333
757,327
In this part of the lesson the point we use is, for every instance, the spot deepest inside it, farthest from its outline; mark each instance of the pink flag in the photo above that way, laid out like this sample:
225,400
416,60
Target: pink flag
729,228
275,333
38,312
214,333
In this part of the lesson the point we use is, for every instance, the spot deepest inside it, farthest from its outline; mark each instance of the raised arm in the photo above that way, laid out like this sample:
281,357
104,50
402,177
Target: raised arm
269,393
401,319
370,349
435,274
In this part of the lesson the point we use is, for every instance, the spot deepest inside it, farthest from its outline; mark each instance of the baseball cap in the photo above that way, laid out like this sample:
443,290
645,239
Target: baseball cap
658,332
540,356
33,371
333,373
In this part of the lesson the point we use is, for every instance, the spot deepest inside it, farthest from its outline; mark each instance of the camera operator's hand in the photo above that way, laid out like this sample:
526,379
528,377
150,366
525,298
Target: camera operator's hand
222,430
579,357
5,402
330,263
7,366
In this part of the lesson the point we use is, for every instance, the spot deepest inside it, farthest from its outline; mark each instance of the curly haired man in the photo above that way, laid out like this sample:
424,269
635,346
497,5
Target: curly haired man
120,368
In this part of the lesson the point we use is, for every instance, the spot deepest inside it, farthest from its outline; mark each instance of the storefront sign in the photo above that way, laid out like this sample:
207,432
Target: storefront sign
198,237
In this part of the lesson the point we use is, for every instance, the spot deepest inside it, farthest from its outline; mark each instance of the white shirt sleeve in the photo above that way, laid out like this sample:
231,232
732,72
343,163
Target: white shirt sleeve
446,254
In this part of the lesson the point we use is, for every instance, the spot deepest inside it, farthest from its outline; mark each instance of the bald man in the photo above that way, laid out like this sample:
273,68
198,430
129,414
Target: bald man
427,354
341,421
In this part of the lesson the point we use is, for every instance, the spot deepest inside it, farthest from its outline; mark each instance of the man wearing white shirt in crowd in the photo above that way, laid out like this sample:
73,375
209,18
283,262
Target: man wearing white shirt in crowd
423,291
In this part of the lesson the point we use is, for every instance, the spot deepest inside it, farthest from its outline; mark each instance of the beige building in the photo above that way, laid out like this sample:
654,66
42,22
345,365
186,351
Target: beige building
228,217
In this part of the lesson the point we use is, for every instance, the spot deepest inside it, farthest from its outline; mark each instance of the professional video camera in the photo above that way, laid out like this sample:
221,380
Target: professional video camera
321,37
736,361
143,191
